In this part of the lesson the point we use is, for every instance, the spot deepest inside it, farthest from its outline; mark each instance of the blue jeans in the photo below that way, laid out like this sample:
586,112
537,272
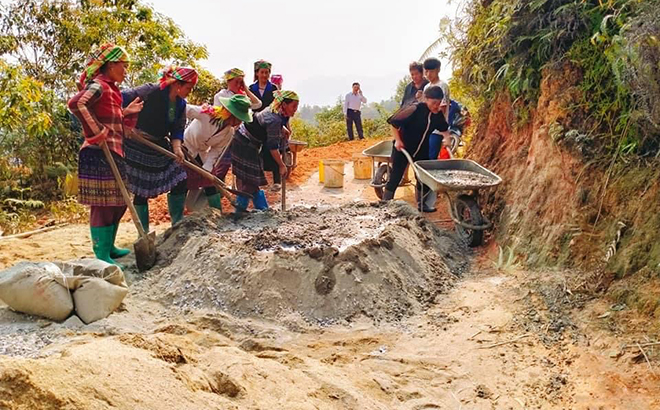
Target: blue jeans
435,143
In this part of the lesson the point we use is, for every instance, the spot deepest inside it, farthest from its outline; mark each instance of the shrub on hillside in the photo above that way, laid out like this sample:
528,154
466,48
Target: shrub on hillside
331,127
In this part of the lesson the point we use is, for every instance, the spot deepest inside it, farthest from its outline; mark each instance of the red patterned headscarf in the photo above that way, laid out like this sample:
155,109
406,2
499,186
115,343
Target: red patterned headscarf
172,74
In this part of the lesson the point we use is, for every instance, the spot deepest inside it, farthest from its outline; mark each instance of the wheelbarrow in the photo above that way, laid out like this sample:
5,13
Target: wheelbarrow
295,147
462,198
381,169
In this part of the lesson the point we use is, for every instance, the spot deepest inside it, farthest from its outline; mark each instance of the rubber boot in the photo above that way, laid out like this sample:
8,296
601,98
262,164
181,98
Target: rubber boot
387,195
102,238
242,203
143,214
175,204
114,251
215,201
259,200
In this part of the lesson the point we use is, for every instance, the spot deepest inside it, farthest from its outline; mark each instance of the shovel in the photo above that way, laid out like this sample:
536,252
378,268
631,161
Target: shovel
145,247
287,162
206,174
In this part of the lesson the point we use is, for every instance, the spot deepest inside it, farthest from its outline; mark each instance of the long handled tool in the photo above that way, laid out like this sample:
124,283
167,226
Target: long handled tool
136,135
286,156
145,247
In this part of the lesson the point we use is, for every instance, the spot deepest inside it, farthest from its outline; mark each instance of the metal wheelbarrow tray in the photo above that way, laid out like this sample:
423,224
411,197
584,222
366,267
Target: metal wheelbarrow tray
464,208
380,155
425,177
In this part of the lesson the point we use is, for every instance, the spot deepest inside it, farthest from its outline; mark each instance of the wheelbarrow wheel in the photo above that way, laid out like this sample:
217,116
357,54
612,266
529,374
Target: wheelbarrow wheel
468,211
380,178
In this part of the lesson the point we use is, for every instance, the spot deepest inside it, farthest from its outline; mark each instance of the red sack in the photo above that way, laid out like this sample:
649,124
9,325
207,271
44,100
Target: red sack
444,153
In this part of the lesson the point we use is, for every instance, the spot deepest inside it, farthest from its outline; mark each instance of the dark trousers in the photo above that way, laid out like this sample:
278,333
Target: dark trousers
399,164
106,215
353,116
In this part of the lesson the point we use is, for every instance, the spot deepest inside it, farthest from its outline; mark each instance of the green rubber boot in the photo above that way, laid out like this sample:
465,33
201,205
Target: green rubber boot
175,204
102,238
143,214
116,252
215,201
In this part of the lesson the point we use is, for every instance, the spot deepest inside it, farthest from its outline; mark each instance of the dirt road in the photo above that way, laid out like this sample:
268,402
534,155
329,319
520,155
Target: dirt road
499,339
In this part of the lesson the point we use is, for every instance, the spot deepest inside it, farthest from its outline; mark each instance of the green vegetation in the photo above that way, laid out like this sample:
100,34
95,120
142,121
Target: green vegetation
503,46
44,45
330,126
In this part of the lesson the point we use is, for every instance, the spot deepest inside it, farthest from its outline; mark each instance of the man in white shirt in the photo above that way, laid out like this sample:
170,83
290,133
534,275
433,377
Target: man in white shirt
352,107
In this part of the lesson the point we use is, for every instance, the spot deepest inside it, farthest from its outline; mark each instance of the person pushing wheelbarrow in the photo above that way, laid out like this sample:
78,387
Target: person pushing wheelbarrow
411,127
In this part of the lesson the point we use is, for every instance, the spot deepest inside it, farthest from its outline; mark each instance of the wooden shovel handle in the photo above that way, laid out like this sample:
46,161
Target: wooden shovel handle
122,188
217,181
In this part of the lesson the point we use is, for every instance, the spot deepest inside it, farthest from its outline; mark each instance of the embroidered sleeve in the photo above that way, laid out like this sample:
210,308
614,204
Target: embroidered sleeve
80,105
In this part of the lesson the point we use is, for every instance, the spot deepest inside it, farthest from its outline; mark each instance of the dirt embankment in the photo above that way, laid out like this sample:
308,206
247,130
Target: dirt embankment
559,207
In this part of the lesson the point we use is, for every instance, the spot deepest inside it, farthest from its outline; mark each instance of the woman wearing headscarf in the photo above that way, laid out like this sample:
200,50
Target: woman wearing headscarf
163,118
264,89
263,133
233,84
209,135
98,107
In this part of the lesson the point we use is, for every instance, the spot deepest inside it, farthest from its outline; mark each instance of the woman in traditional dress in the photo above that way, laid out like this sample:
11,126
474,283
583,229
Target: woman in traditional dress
210,134
98,107
264,89
163,118
265,132
233,84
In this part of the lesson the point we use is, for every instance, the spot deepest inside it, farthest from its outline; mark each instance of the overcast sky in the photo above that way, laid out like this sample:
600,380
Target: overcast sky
319,47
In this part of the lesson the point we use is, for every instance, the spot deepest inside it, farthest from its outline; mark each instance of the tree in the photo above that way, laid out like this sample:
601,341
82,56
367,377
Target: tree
34,126
53,39
49,42
401,88
207,86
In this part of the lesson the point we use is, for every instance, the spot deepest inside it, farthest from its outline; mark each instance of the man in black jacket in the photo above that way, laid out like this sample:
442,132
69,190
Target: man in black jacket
411,127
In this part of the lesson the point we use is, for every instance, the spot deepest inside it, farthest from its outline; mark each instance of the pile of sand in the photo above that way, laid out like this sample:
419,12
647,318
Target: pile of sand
325,265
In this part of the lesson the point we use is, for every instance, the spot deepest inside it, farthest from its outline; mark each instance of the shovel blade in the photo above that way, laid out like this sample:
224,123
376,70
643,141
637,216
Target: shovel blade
145,252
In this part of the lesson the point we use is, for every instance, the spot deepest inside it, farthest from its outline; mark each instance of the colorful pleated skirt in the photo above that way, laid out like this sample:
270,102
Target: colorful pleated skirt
150,173
96,183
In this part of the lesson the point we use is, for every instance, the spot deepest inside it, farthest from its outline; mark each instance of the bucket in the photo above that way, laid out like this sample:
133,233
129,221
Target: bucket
333,173
321,171
361,167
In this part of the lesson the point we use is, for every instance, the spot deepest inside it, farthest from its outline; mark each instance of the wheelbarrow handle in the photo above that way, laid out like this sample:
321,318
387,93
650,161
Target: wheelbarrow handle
410,160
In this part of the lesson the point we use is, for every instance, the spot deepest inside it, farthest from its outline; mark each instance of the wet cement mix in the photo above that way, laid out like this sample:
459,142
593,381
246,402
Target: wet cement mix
461,178
319,265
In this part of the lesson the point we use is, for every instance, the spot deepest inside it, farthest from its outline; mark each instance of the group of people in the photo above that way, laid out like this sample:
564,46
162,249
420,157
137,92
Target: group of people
246,128
420,126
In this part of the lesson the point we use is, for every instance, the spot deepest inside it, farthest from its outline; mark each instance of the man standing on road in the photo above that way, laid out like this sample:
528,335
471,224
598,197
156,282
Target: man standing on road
413,91
432,73
352,106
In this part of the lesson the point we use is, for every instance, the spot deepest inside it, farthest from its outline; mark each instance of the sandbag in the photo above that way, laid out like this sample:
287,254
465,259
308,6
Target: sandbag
98,287
93,267
96,298
33,288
